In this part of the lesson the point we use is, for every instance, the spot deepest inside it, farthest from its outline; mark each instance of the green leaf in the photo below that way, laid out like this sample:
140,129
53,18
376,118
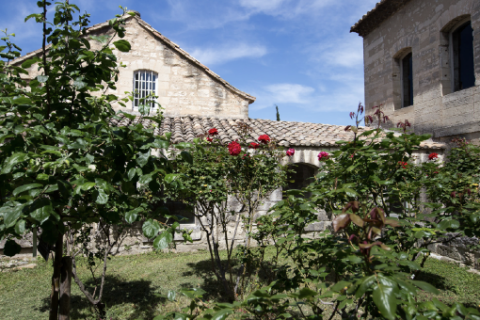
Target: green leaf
131,173
150,228
171,295
42,177
87,186
145,179
425,286
384,296
169,178
41,210
42,78
222,314
28,63
22,101
102,197
20,227
11,216
142,158
11,248
122,45
163,240
306,293
11,161
187,157
131,216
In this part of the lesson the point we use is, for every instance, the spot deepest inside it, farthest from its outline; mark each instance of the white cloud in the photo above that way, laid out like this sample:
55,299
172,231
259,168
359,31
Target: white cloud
297,96
212,56
290,93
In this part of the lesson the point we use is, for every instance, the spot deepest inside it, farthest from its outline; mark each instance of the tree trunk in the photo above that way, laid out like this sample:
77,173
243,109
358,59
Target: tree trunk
57,264
65,288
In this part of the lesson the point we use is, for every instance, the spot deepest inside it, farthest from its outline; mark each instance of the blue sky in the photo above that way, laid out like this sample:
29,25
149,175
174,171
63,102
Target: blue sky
297,54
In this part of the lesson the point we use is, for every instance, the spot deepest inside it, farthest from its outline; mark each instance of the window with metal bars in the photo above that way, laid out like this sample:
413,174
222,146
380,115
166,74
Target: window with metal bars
144,85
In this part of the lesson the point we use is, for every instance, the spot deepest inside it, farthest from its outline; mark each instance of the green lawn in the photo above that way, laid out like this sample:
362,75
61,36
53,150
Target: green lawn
137,285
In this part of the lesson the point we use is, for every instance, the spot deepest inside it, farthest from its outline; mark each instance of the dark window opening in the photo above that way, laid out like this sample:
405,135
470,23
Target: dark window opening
463,62
184,213
300,176
407,81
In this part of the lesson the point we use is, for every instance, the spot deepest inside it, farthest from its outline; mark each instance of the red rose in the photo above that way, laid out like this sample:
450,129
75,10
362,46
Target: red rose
403,164
254,145
290,152
209,139
432,156
213,132
323,156
264,138
234,148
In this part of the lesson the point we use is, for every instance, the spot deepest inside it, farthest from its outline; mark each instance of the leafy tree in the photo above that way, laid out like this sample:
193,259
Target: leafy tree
65,163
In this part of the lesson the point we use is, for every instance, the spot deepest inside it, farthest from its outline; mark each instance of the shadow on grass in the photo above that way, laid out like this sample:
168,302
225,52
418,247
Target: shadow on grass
214,287
435,280
141,293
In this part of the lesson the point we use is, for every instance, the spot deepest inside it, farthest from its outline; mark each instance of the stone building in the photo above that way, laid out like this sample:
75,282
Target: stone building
422,63
195,99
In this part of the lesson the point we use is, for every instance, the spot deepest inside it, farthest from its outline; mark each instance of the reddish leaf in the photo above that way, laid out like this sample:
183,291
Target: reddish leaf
353,205
385,247
392,222
369,245
357,220
377,214
341,222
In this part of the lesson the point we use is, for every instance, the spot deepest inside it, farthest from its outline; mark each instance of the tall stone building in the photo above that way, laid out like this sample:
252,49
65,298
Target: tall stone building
422,63
194,100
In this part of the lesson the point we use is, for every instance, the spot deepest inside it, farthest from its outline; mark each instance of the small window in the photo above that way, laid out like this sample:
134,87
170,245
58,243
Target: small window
184,213
407,80
300,176
462,56
144,84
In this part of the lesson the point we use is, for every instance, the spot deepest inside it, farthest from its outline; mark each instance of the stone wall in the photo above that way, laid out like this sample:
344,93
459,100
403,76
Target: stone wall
423,26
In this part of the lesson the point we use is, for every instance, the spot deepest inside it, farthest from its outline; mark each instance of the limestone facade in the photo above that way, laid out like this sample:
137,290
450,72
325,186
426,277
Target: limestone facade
183,85
423,27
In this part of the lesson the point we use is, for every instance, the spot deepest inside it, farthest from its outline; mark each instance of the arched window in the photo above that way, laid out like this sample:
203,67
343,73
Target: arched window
461,40
144,85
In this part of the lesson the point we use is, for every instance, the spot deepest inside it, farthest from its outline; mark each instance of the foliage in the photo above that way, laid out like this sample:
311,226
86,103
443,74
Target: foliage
65,162
366,265
217,174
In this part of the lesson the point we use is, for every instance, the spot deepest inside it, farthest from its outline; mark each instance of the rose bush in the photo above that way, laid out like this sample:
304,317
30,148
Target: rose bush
366,265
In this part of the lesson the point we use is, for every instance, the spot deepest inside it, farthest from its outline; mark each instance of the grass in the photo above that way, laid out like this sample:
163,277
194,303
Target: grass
136,286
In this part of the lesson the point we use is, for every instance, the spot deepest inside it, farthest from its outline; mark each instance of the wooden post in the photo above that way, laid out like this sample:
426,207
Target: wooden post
35,240
65,288
57,265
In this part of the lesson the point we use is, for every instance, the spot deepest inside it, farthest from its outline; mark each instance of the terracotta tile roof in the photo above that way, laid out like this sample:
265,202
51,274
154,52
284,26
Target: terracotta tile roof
287,133
383,9
175,47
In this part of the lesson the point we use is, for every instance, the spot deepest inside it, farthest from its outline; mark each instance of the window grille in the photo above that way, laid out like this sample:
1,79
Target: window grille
144,85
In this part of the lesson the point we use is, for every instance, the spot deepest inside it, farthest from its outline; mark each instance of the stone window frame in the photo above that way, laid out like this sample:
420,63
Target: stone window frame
446,52
398,87
149,83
